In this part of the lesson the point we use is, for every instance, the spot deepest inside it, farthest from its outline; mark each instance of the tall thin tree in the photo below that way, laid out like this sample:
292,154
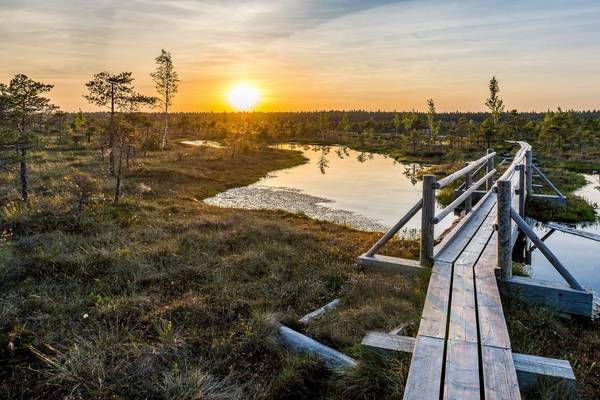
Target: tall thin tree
25,100
167,81
494,103
115,92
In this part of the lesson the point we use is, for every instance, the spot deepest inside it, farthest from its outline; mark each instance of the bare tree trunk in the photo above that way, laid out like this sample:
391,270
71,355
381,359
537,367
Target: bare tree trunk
119,169
111,136
166,130
24,175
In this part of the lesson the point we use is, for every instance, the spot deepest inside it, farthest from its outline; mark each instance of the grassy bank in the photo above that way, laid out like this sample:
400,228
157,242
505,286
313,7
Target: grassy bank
163,296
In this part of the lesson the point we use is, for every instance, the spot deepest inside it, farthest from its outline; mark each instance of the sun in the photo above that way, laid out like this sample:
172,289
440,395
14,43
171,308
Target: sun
243,97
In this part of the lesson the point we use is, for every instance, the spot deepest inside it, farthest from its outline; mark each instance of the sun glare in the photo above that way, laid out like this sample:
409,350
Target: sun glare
243,97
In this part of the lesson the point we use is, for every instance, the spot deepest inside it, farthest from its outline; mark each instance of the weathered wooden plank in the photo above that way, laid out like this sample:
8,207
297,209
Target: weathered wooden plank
550,199
319,311
462,371
492,325
559,297
463,319
425,375
462,234
499,375
385,341
300,343
529,368
435,310
390,264
572,231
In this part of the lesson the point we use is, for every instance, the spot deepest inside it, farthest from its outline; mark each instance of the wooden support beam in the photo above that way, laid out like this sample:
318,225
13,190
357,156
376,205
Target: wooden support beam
526,229
528,367
300,343
469,199
393,230
391,264
572,231
427,225
559,297
550,199
319,311
504,248
522,190
529,171
490,168
548,181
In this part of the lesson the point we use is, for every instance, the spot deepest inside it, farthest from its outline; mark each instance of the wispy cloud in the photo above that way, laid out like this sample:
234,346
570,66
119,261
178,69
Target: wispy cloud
314,54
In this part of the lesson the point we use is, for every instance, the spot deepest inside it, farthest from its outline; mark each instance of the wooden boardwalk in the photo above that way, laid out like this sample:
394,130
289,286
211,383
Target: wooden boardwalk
462,349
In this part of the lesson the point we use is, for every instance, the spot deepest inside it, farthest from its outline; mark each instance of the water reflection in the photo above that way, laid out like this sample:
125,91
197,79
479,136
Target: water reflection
367,191
579,255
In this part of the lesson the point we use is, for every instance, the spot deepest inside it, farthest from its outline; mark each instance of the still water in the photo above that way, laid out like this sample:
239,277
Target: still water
579,255
366,191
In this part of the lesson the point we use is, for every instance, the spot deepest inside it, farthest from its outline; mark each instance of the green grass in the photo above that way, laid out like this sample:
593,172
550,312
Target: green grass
163,296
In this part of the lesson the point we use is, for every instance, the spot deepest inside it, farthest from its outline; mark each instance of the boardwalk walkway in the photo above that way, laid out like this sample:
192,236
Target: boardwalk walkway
463,349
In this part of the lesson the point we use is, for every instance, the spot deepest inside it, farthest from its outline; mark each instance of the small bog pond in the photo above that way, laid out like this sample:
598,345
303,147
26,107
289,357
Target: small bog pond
579,255
366,191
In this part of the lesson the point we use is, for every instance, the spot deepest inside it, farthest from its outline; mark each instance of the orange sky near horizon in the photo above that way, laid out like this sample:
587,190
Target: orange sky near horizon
315,55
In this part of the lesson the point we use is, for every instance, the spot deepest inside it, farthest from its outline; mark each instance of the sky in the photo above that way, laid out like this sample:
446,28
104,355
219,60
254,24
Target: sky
315,54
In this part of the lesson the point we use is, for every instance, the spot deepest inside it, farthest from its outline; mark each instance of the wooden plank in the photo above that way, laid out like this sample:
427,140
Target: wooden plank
499,374
572,231
529,368
462,371
391,264
492,325
560,297
385,341
300,343
425,375
320,311
435,310
463,319
550,199
462,234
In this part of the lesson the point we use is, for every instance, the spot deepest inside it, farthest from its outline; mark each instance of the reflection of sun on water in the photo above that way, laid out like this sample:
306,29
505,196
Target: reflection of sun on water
243,97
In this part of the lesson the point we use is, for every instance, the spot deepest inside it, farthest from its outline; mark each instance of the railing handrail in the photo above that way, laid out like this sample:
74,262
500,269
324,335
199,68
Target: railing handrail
450,207
463,171
394,229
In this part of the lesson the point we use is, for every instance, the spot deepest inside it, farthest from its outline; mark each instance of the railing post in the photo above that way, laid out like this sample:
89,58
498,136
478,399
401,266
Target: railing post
490,167
529,171
503,223
427,214
469,200
522,190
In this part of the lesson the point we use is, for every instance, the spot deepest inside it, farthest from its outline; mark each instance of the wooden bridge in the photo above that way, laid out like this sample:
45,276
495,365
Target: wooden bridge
462,349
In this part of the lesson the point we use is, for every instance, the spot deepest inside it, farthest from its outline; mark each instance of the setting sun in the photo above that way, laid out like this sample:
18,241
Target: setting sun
243,97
